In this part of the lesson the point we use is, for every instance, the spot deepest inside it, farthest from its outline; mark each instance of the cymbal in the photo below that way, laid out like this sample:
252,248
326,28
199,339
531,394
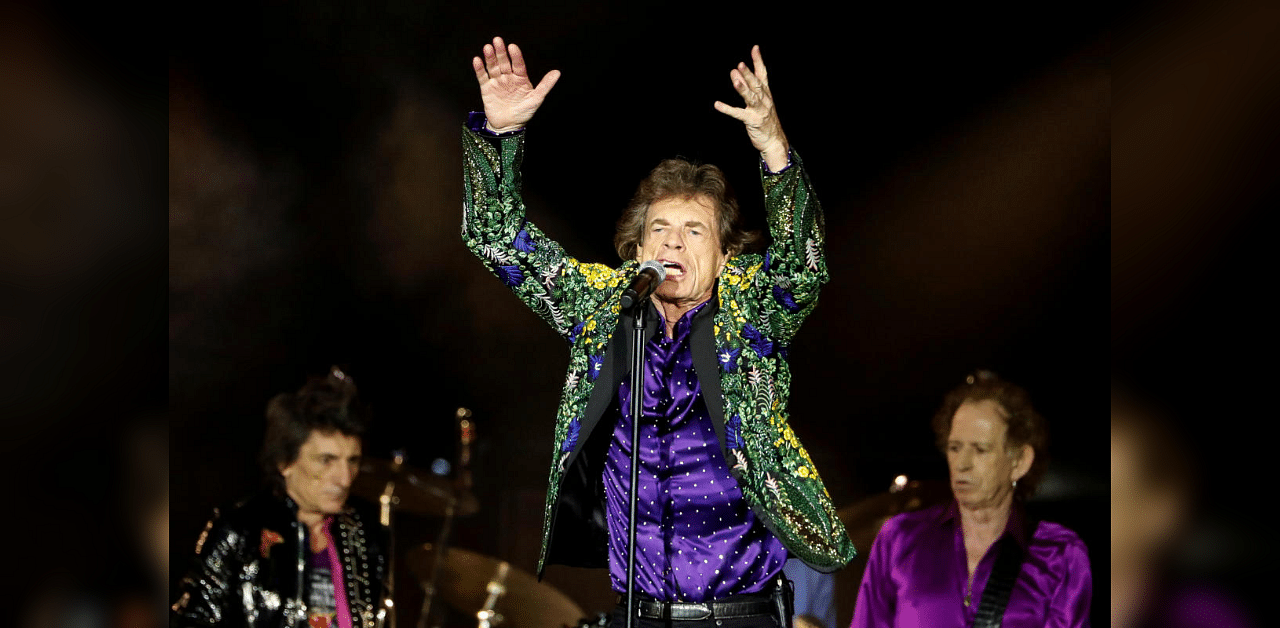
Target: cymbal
864,519
464,580
412,490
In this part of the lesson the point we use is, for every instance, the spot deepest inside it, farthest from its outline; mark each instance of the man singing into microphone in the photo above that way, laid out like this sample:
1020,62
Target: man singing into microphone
726,491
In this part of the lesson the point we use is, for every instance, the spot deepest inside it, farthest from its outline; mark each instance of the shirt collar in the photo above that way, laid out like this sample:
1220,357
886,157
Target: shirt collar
1016,526
686,321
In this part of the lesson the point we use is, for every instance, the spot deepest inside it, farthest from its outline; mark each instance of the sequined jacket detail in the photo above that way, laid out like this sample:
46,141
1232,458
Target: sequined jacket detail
250,561
761,301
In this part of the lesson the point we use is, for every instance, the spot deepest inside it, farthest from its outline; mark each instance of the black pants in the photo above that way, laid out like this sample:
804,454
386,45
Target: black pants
619,620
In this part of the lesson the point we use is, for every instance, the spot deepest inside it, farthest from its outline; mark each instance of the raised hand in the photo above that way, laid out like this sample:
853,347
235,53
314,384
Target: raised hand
510,99
759,115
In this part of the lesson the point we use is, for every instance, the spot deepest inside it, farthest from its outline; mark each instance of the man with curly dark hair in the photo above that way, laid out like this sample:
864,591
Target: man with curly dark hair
302,551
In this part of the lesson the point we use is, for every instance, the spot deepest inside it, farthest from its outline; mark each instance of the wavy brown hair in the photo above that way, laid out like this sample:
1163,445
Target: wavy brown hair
1025,425
681,178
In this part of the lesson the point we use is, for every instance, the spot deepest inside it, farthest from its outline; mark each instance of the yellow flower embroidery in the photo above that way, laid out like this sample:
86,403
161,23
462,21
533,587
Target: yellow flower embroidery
805,454
597,275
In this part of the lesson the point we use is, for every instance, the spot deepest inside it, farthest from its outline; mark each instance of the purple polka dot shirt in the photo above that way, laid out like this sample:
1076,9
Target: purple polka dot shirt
698,539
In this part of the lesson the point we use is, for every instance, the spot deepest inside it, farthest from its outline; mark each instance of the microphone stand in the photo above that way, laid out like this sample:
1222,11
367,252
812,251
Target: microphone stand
637,411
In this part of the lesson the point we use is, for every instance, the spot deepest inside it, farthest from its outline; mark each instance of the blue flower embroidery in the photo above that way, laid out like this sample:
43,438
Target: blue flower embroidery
733,433
784,352
571,436
595,362
510,275
785,298
758,342
577,329
728,358
523,242
767,260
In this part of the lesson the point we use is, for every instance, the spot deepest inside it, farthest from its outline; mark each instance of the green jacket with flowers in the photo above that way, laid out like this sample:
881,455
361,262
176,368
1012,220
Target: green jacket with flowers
760,302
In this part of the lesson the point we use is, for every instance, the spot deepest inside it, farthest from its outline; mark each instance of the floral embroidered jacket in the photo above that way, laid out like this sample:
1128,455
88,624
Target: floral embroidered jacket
761,301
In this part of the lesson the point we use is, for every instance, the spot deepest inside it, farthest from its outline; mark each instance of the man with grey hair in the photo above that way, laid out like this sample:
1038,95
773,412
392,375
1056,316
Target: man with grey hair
726,491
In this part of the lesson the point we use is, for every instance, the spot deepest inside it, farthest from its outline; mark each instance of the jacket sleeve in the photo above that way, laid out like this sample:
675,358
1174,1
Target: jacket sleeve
205,594
559,288
795,265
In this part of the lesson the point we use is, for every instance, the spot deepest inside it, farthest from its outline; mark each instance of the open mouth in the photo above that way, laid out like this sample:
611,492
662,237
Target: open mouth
674,269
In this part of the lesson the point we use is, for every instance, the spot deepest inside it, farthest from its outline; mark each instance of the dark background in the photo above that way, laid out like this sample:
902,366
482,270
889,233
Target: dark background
961,154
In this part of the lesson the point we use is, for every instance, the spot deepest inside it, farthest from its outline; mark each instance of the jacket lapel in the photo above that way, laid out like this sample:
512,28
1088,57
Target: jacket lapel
616,367
702,344
605,386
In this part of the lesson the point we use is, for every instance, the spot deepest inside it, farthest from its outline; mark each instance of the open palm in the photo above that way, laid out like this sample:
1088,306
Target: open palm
510,99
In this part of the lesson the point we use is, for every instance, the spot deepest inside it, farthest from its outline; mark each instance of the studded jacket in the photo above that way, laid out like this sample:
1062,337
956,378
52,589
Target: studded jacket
740,352
250,562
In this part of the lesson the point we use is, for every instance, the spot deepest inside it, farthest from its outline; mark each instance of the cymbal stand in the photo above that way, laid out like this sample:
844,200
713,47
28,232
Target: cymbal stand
464,482
496,588
386,617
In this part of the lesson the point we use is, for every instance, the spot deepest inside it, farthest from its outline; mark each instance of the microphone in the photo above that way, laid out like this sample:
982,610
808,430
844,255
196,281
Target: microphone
650,275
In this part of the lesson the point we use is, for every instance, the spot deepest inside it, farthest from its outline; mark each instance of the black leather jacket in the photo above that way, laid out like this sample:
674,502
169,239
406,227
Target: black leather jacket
250,562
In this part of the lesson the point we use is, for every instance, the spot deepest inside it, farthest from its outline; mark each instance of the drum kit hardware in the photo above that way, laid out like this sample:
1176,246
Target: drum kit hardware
504,595
489,589
393,484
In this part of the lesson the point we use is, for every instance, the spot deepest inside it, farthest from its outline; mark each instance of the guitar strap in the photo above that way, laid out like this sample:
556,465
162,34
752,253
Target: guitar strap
995,597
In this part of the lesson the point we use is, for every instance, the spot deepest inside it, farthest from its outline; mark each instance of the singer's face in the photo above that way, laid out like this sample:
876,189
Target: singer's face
681,233
320,478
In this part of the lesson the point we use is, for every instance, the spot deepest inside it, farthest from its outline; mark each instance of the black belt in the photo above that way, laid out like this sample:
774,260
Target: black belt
729,608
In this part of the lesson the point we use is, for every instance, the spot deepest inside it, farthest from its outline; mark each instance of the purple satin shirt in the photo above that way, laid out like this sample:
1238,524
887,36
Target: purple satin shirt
698,539
917,571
